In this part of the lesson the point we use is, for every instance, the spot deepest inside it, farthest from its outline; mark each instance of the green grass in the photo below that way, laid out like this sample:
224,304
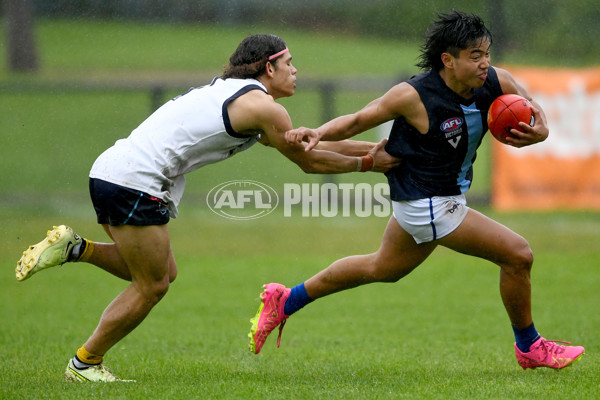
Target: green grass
109,49
439,333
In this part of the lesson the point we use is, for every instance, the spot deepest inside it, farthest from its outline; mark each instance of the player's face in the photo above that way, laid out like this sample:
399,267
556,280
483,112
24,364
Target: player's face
472,64
284,77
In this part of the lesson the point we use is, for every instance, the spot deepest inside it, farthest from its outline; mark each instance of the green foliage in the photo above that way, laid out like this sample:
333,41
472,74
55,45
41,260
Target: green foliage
557,32
110,50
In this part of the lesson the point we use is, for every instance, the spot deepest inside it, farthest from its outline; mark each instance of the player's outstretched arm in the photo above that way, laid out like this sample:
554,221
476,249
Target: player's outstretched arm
383,161
274,121
398,101
303,134
256,110
348,147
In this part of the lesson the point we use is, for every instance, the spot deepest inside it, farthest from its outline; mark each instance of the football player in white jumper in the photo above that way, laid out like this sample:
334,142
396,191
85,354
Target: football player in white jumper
137,184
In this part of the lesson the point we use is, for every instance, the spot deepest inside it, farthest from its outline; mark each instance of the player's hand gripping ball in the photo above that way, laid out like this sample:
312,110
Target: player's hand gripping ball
506,112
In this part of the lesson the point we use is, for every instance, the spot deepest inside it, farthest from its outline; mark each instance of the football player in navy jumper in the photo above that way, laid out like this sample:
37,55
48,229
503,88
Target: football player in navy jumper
440,117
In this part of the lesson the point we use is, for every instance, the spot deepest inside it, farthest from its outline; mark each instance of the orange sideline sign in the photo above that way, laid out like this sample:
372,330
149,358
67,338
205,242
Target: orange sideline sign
562,172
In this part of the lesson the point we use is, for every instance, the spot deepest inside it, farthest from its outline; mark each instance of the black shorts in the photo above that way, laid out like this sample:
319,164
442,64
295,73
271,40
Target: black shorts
119,205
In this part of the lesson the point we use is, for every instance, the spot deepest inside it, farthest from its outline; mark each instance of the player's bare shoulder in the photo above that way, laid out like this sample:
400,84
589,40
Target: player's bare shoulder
406,102
508,83
262,105
393,104
502,73
255,99
405,97
247,112
257,112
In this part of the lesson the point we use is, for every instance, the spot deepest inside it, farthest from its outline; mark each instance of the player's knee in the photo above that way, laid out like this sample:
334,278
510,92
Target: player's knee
160,290
172,272
521,257
154,291
526,255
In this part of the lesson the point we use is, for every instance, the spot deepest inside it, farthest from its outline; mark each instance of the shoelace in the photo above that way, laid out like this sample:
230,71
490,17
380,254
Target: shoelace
552,347
280,330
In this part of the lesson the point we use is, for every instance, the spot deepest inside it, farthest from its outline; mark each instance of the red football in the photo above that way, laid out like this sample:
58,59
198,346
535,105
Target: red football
506,112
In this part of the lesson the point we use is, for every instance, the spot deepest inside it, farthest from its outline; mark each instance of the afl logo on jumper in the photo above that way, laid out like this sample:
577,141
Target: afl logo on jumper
452,128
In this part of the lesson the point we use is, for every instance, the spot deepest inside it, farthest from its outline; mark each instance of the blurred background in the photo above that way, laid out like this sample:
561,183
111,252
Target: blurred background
79,74
555,32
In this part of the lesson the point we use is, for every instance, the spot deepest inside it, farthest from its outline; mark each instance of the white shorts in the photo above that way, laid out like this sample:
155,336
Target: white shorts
432,218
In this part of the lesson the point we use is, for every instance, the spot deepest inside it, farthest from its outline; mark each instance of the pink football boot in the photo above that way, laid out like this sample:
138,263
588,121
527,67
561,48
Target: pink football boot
269,315
547,353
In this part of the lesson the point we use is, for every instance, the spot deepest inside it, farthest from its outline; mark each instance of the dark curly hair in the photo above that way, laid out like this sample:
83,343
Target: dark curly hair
250,58
451,32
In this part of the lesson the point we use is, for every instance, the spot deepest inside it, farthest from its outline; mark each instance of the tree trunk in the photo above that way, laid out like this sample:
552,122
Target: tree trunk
498,28
21,50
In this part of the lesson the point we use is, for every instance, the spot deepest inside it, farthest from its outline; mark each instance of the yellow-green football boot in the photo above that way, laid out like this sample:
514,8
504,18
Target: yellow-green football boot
53,251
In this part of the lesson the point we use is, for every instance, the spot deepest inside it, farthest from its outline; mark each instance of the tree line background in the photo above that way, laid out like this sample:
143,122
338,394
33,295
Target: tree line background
559,32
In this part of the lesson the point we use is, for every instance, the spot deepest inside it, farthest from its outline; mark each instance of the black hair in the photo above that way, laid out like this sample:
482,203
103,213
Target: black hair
451,32
250,58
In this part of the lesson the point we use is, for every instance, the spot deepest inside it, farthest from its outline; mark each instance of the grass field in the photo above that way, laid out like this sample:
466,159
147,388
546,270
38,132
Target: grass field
440,333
